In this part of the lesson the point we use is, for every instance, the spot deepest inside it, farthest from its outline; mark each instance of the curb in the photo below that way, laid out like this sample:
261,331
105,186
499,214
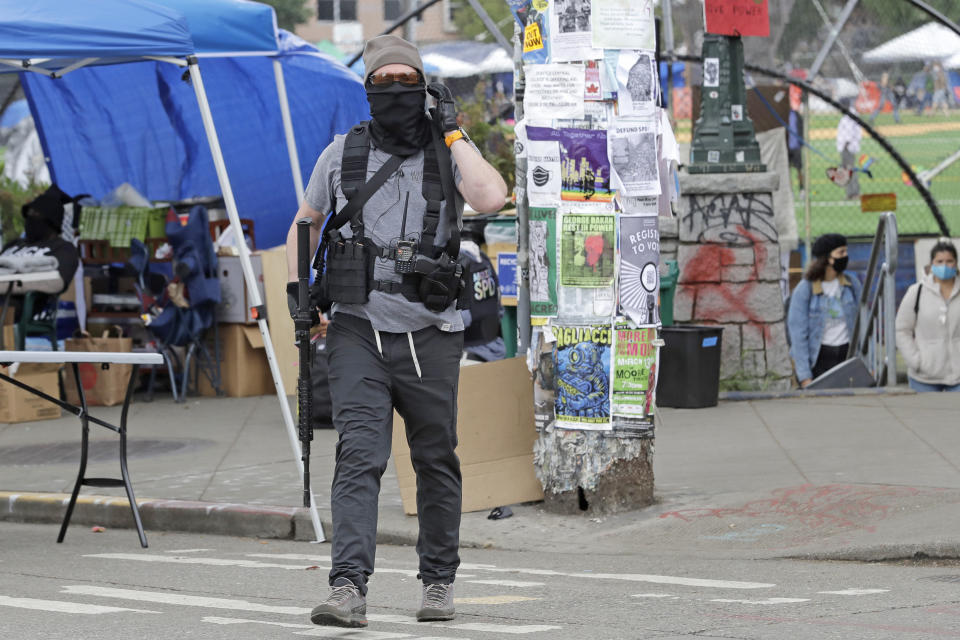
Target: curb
187,516
183,516
738,396
932,550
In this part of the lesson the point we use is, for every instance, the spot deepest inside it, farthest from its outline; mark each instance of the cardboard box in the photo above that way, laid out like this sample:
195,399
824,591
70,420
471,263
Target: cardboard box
234,301
496,433
243,362
17,405
9,334
278,316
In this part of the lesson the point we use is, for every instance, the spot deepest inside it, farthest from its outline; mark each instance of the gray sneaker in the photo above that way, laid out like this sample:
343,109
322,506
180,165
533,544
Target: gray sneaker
344,607
437,603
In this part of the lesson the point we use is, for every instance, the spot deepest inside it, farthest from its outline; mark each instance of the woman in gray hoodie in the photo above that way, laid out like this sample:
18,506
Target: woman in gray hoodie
928,324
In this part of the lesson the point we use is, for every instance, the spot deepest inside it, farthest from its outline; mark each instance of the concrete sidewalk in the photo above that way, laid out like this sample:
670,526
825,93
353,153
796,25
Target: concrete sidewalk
856,477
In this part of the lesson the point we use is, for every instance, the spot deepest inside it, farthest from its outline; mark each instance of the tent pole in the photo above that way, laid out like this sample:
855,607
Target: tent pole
253,292
288,129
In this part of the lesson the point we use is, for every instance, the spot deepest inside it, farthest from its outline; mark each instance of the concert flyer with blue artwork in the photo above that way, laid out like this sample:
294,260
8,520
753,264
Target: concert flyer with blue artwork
582,376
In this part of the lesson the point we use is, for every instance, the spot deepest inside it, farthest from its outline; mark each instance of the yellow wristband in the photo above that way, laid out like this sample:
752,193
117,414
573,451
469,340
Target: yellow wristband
453,137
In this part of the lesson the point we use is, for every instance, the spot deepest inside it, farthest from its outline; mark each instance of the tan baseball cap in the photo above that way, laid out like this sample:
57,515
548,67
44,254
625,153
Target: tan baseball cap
390,49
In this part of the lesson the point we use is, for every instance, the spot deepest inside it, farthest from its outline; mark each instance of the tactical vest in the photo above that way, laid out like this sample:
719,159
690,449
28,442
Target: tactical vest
430,273
482,298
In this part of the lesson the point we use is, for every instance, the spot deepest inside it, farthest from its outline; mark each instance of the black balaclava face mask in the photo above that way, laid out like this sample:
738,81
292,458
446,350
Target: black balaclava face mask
399,124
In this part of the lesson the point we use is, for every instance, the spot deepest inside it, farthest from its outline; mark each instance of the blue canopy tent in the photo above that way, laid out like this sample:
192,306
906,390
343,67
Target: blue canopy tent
147,131
120,112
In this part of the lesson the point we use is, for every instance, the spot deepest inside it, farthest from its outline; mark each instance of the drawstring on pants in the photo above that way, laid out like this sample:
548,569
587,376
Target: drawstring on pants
413,352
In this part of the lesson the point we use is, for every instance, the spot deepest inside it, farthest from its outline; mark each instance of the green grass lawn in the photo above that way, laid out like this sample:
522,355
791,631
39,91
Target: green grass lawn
831,212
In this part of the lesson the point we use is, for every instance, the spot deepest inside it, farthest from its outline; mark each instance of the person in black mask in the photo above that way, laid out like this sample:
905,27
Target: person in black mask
823,310
396,185
42,248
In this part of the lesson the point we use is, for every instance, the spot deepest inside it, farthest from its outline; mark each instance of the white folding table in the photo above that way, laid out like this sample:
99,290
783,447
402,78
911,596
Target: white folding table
74,359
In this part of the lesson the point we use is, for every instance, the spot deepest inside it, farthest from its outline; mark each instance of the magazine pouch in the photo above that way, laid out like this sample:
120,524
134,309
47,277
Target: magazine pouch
347,266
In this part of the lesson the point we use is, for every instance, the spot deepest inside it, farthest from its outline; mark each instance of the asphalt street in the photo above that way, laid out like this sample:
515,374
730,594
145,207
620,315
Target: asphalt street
97,586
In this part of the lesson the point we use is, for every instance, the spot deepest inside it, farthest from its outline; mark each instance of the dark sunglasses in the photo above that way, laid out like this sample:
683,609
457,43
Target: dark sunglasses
386,78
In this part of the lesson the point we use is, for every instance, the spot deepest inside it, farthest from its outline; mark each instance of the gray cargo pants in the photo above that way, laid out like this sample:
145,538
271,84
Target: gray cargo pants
370,375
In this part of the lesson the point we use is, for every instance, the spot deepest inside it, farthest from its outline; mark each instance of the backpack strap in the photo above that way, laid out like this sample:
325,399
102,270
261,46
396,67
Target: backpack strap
433,193
449,191
916,301
353,162
351,211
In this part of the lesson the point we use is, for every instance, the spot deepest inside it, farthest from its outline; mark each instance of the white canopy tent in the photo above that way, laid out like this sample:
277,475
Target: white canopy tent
930,43
465,58
56,37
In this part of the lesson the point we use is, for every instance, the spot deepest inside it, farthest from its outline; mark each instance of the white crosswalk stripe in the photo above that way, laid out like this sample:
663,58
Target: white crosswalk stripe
214,562
468,626
256,564
631,577
762,600
506,583
60,606
239,562
313,630
166,597
176,598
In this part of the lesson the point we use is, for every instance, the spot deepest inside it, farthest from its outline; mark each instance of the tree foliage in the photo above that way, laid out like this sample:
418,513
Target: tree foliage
290,13
900,16
471,26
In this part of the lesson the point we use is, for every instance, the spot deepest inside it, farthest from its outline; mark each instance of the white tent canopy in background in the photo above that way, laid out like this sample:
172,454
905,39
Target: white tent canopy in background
462,59
930,43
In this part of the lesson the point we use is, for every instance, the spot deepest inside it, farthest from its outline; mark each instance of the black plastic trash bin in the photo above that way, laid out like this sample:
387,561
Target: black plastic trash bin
689,366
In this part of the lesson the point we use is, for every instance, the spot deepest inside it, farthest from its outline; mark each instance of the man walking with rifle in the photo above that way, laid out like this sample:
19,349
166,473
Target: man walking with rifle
396,185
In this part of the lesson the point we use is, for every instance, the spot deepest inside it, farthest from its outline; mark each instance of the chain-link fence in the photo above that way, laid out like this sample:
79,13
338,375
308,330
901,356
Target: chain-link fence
894,66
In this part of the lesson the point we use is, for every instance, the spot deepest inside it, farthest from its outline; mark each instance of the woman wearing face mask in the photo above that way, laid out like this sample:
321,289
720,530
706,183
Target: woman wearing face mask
823,310
928,325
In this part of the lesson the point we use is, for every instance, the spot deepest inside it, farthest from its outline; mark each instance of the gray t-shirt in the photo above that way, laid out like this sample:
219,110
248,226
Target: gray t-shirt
383,220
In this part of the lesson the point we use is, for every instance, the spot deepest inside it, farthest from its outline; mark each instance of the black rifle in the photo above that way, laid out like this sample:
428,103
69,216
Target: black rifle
301,326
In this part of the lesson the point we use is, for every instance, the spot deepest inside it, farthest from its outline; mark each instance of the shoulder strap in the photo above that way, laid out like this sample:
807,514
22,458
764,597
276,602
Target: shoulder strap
916,301
433,194
353,161
446,181
360,196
